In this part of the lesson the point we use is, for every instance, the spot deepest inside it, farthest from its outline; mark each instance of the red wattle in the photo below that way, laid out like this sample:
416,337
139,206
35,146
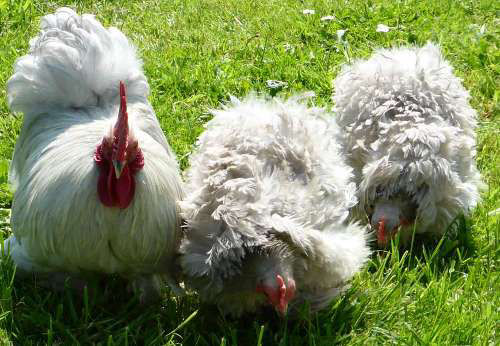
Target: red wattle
115,192
102,184
124,188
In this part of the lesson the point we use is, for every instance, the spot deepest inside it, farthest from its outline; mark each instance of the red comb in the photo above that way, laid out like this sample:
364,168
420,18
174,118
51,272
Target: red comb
281,285
123,98
282,294
121,126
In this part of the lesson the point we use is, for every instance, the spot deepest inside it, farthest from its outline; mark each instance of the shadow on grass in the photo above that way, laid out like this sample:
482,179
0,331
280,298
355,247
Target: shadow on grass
430,254
106,313
266,328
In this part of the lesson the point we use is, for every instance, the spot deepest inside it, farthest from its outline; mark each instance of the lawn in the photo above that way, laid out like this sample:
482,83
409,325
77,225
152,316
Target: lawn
196,54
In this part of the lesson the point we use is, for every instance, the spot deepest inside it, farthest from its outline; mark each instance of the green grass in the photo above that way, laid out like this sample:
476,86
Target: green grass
196,54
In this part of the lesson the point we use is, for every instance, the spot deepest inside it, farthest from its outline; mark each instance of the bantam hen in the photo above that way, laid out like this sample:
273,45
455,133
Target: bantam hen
96,183
267,199
409,135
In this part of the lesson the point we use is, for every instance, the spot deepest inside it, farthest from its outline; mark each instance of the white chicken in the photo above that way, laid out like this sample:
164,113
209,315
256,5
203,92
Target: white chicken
409,134
96,183
267,199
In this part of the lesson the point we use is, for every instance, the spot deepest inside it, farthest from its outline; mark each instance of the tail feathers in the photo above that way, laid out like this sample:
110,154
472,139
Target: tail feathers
74,62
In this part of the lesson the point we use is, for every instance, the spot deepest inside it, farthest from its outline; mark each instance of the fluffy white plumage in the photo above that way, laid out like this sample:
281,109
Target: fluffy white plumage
268,192
67,87
409,134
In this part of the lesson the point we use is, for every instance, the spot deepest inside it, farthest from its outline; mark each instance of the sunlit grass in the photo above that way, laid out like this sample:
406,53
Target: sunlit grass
196,54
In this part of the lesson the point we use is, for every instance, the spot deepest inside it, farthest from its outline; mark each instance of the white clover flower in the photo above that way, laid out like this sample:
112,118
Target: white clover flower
340,34
482,30
4,217
288,48
327,18
382,28
478,30
171,20
276,84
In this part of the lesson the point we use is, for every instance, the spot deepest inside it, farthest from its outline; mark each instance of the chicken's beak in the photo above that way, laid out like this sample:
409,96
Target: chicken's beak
118,165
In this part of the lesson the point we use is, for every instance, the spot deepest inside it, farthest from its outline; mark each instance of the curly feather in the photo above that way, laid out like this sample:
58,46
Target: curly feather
409,129
268,187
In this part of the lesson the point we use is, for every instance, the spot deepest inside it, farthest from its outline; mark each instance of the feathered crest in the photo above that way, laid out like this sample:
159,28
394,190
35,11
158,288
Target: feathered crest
74,62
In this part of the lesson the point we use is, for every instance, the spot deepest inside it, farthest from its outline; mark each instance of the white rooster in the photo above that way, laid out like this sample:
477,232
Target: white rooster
267,199
409,134
96,183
